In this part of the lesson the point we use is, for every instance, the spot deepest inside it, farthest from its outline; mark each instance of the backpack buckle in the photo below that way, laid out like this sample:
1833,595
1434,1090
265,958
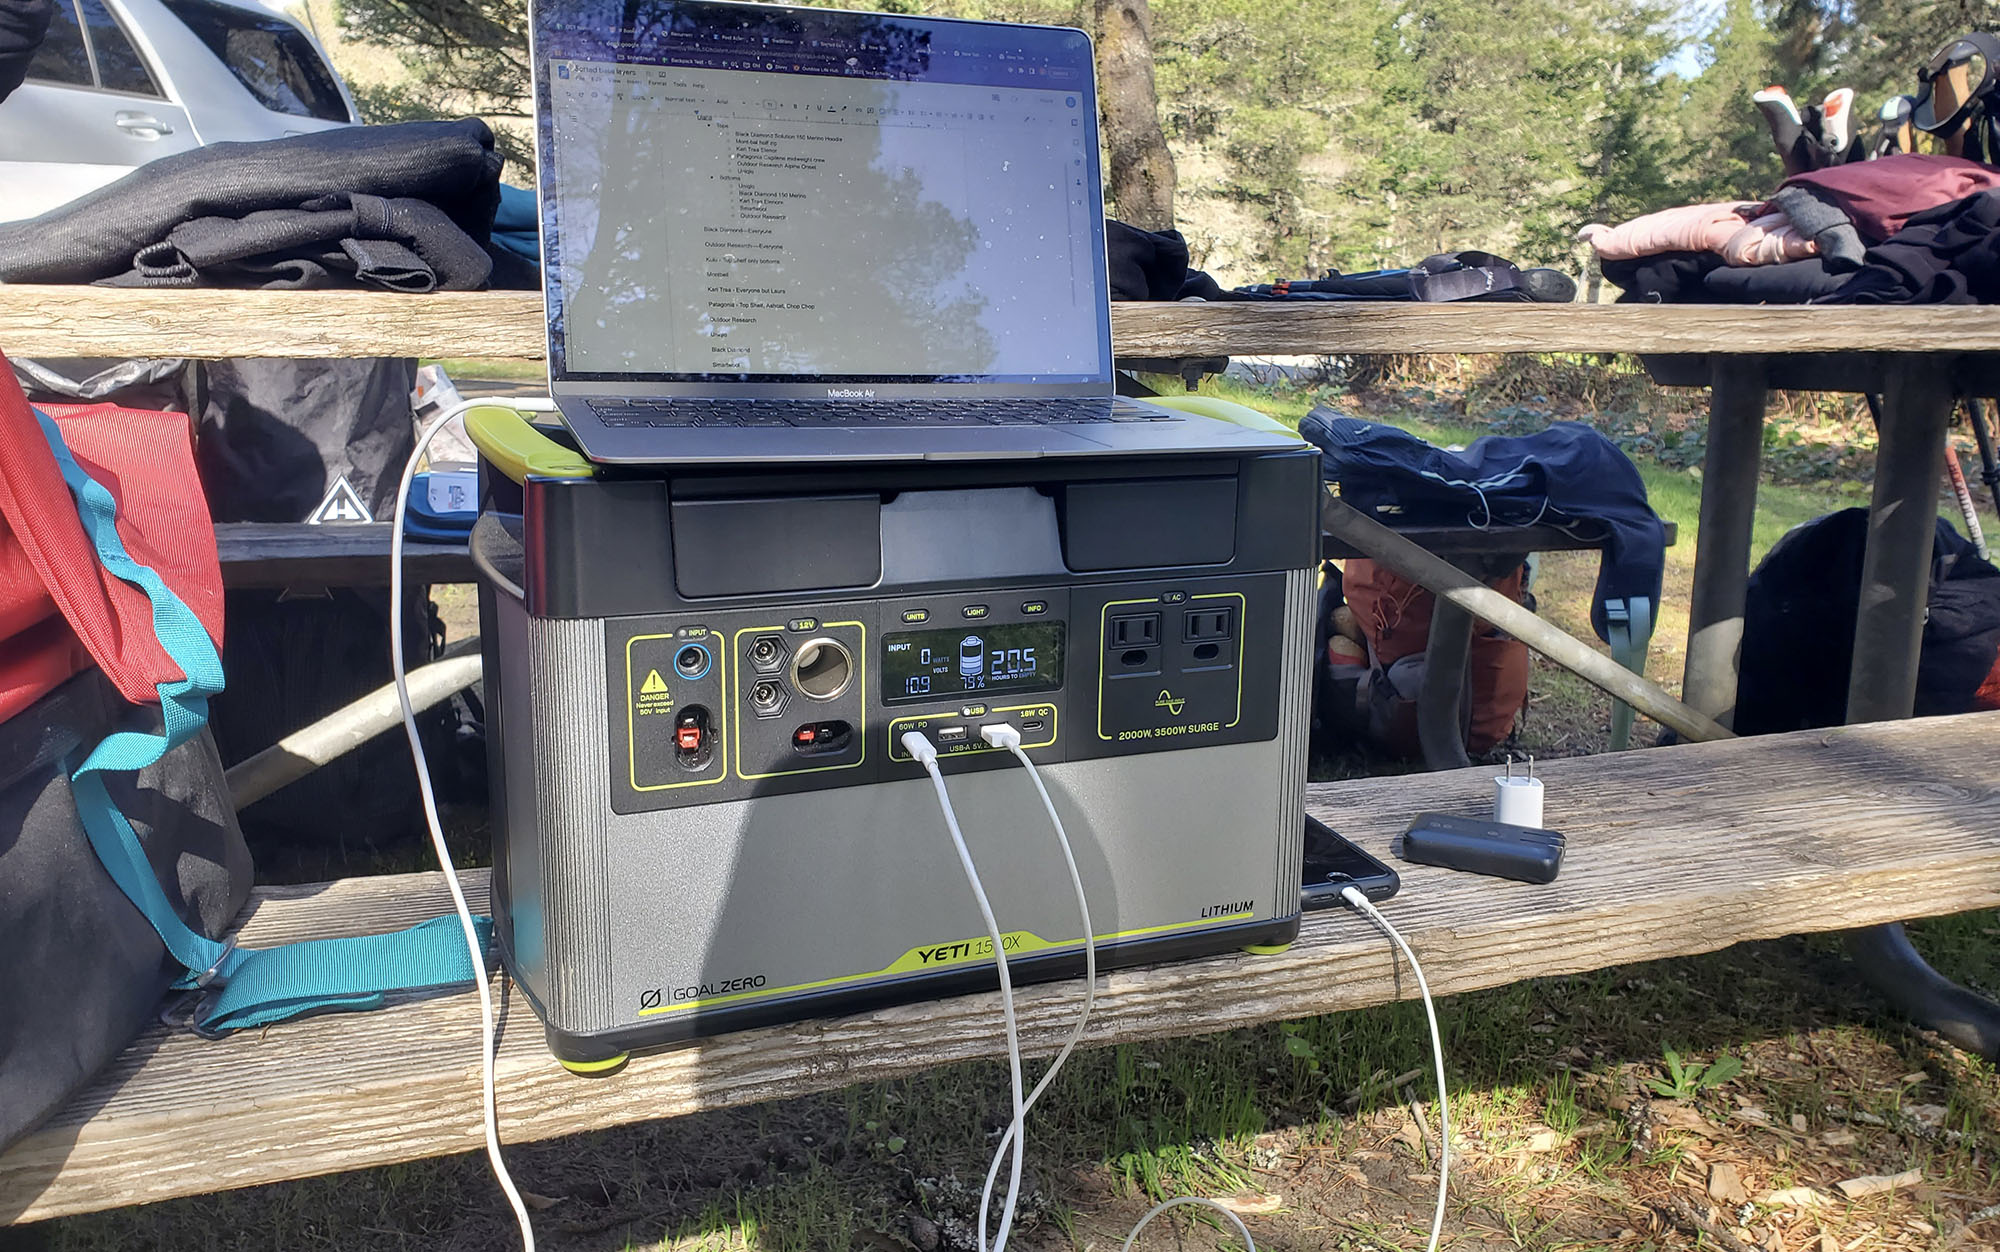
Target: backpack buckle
213,974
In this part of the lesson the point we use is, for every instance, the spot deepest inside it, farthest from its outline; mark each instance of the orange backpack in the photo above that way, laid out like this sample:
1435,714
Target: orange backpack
1395,617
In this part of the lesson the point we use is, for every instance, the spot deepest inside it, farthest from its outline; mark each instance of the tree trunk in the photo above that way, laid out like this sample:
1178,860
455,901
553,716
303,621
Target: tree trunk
1142,169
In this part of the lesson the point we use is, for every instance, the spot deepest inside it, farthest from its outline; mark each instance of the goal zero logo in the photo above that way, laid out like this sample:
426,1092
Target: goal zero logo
342,504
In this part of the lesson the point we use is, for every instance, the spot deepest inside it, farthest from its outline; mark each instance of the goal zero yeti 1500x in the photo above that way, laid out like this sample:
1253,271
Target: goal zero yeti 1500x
696,684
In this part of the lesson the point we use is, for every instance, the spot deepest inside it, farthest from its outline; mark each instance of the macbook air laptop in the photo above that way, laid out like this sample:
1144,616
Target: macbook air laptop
775,234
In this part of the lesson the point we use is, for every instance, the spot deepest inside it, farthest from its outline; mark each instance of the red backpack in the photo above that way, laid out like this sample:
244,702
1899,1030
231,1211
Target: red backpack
59,609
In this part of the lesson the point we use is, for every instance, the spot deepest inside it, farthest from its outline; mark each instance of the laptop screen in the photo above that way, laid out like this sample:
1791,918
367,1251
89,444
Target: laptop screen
751,194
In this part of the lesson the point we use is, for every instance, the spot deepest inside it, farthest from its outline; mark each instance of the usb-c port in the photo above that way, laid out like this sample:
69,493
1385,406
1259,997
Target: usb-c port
1032,725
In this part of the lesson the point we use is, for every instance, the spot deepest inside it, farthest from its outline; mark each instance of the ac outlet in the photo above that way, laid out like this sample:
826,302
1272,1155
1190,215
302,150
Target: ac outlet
1132,630
1208,623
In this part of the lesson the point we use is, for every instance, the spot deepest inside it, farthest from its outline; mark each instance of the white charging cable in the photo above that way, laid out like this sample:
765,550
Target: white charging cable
472,944
1005,736
925,754
1366,908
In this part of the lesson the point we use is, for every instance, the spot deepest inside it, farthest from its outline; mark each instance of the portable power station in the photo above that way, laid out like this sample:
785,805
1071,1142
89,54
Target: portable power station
697,683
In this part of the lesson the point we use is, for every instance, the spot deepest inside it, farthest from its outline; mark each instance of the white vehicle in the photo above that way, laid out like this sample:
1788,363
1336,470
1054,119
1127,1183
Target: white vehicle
118,83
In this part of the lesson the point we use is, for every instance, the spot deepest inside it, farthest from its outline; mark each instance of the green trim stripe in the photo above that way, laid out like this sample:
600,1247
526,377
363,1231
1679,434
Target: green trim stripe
979,951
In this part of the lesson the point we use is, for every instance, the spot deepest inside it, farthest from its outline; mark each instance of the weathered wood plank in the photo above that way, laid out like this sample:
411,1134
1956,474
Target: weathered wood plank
103,321
291,554
106,321
1286,329
1672,851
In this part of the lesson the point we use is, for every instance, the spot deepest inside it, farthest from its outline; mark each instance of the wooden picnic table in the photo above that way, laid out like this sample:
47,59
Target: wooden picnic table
179,1115
1915,836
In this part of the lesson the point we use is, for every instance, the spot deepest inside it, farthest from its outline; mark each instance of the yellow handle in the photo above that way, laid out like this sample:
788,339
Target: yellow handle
1223,411
518,449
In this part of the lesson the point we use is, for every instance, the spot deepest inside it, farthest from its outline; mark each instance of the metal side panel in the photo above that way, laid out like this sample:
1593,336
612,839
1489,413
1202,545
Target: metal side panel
1295,730
572,807
517,845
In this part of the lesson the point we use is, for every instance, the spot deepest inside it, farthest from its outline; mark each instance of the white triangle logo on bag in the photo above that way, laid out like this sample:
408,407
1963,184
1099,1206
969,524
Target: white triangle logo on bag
342,504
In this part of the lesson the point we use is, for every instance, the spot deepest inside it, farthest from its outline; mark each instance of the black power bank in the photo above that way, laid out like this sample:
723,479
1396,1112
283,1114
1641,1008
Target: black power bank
1480,846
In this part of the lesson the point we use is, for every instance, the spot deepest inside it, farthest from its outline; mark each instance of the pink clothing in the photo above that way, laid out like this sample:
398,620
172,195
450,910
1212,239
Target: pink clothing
1691,228
1767,240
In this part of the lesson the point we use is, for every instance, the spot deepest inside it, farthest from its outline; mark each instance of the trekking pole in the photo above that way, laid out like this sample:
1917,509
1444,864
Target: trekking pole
1965,504
1982,434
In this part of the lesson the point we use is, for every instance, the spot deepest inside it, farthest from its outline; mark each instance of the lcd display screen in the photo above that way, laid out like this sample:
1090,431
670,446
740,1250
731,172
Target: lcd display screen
971,660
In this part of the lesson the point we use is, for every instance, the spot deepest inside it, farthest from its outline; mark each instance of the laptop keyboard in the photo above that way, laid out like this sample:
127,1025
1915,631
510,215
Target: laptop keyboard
991,411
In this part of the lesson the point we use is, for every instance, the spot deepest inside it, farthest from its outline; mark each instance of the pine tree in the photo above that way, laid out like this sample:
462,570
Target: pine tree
1726,147
465,57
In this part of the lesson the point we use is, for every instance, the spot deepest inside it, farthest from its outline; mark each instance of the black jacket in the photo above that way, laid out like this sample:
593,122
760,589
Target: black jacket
449,165
23,26
1568,476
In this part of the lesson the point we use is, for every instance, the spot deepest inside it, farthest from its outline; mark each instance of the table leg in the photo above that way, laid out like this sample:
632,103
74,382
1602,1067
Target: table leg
1882,685
1441,699
1722,548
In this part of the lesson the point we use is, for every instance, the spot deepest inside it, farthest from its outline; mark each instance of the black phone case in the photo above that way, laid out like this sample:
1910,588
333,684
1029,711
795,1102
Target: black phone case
1478,846
1377,887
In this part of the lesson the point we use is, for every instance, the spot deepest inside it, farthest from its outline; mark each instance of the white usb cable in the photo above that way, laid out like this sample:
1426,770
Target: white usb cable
1366,908
925,754
1005,736
486,1017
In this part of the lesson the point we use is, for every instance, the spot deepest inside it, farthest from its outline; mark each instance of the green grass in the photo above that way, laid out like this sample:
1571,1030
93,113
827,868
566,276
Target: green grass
461,368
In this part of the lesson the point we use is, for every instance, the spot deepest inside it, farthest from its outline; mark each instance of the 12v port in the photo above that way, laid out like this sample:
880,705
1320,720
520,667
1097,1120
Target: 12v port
815,738
694,737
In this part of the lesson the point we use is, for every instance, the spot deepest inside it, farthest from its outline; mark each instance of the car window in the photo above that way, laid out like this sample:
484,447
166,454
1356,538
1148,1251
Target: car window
268,55
62,57
119,66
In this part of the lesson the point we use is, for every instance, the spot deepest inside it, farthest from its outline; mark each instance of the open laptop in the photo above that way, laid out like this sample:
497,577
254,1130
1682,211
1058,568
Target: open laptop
778,234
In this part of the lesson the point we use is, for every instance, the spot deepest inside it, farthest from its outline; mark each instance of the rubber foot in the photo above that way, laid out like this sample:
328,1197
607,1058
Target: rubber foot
1267,949
596,1069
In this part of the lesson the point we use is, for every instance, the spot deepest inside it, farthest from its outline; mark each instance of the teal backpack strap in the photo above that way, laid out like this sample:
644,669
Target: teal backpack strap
1631,628
245,987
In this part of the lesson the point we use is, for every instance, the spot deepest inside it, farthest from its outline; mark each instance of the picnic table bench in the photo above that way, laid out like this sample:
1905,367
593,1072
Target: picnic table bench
1918,832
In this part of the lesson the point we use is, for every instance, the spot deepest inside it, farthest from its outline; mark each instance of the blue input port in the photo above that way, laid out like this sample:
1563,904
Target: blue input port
692,661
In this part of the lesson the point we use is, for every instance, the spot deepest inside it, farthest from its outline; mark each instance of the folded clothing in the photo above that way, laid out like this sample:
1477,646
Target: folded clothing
1879,196
1790,282
1819,219
402,245
1664,277
1153,265
1689,228
1946,255
450,165
1767,240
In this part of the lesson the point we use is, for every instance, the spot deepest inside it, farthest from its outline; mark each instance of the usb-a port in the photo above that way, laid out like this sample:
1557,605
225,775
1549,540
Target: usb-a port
1032,725
952,734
